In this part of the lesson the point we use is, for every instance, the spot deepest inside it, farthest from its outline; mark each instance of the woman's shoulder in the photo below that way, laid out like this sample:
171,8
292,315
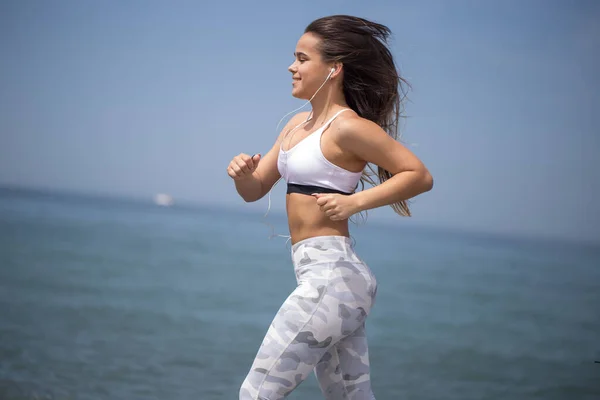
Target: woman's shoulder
353,124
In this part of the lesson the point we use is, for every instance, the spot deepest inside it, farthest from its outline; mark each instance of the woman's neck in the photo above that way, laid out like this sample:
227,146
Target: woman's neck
324,106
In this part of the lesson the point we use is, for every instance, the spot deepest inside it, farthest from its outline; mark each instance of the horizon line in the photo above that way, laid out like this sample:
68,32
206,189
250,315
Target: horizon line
196,205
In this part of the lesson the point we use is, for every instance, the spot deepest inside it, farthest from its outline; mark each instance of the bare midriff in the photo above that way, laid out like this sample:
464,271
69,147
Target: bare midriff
305,219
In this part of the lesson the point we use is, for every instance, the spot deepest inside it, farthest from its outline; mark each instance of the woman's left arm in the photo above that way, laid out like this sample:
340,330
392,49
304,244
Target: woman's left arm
372,144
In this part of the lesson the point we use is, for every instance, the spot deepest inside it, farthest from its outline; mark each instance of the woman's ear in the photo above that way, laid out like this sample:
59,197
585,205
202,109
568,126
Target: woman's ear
336,69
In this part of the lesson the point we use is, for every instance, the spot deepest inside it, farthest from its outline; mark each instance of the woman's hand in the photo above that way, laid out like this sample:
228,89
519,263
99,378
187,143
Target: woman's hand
242,166
337,207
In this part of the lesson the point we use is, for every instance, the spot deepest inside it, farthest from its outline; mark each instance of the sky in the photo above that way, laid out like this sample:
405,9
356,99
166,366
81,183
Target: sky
132,98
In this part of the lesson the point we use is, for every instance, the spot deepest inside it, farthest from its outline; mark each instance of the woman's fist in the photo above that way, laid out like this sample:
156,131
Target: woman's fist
242,166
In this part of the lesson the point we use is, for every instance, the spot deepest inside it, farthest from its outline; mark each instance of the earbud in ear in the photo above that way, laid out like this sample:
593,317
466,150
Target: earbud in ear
332,70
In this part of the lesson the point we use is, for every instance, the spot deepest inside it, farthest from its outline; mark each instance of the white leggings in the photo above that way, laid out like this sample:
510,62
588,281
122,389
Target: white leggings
320,327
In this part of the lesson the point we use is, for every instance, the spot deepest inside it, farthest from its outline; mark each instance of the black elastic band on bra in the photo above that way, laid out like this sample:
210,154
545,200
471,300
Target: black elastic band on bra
309,189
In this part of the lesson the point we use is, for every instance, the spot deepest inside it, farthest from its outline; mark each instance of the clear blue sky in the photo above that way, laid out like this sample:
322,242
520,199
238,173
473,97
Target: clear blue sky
137,97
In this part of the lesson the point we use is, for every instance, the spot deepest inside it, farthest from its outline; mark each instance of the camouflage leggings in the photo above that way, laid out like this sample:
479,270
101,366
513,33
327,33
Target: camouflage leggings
320,326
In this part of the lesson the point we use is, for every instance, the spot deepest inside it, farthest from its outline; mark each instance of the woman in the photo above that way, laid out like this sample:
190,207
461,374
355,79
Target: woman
344,68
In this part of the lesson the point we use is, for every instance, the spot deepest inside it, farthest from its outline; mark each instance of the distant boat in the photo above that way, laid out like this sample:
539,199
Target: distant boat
163,199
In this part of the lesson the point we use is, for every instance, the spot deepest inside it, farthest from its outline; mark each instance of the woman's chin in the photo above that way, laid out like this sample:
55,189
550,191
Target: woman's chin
298,94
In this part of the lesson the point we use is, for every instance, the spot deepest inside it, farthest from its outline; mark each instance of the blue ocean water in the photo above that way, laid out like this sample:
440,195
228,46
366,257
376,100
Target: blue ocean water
111,299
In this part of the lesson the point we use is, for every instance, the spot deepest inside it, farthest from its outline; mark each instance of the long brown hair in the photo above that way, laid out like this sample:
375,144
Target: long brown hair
372,86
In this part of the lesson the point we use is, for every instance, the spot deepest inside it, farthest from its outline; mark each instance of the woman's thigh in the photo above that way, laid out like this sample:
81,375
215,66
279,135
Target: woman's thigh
322,310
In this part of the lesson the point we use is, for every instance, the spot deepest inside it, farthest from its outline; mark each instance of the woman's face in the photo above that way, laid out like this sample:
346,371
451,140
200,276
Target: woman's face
308,70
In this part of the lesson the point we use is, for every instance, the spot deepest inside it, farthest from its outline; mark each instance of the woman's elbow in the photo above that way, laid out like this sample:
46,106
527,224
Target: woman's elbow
426,181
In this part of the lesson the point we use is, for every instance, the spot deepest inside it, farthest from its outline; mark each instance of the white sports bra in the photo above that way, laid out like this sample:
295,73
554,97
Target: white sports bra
307,171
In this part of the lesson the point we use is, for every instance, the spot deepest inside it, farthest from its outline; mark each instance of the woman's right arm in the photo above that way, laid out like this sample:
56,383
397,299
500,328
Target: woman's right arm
255,176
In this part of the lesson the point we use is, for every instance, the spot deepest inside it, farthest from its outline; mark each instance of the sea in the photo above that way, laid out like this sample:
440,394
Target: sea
104,298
